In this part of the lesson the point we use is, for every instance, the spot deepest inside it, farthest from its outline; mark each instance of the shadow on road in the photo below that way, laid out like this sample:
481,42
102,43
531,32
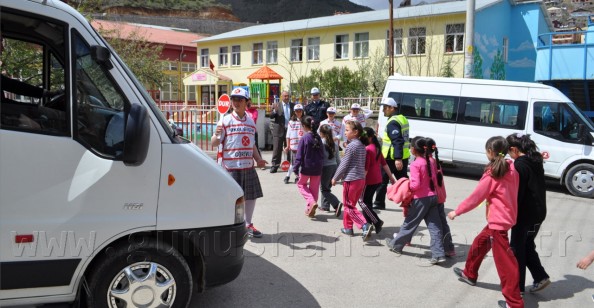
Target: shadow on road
260,284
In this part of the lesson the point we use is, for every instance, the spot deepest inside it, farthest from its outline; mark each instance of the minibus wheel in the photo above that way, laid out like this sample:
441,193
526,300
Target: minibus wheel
579,180
152,275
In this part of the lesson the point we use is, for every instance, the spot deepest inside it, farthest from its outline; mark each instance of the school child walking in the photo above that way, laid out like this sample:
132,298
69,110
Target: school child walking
448,244
308,164
499,188
352,171
532,209
294,133
423,180
331,162
374,162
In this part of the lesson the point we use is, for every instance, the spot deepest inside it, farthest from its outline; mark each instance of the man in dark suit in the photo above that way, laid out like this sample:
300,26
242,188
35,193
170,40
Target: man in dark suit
280,115
317,108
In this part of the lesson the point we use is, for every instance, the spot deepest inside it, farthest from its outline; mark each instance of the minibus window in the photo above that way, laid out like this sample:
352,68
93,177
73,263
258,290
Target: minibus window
556,120
434,107
32,87
505,114
99,104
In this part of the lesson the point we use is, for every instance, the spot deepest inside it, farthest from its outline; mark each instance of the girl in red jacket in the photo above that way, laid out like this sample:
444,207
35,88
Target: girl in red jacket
499,187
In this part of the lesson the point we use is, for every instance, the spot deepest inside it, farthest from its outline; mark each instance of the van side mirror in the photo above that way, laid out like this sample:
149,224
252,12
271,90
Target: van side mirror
584,135
136,136
101,55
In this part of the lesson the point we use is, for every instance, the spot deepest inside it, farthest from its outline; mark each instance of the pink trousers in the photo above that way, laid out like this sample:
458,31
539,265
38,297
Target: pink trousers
351,192
309,192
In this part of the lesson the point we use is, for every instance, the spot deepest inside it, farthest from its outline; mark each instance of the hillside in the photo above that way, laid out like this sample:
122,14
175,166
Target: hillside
251,11
271,11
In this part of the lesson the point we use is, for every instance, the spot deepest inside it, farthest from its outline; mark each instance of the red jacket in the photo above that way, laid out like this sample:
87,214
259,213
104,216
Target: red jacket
400,193
501,196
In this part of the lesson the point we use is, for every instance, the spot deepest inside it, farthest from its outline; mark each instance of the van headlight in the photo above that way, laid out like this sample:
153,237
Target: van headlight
239,210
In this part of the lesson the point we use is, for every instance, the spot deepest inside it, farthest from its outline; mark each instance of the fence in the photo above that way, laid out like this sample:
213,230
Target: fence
198,122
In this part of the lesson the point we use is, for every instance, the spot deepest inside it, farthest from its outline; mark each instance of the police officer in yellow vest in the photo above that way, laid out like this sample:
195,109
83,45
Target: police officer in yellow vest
395,148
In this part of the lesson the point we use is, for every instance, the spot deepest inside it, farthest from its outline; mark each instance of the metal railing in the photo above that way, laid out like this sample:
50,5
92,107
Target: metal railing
198,122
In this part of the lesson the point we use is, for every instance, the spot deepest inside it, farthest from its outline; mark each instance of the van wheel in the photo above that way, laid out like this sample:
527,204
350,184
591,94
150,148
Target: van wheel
579,180
147,276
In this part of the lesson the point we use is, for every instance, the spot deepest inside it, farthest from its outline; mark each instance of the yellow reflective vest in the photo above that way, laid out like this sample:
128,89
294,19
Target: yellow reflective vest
387,148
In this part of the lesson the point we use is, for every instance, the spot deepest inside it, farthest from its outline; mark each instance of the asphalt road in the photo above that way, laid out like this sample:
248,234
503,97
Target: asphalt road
302,262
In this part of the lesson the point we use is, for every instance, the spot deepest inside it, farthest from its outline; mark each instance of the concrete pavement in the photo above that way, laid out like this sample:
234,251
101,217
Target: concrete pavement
302,262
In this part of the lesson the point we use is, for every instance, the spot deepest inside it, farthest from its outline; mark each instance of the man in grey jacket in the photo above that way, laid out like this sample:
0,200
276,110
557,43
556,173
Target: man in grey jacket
280,115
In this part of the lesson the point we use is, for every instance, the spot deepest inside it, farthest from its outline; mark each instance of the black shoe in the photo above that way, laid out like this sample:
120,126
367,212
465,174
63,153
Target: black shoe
338,210
273,169
502,304
296,180
286,180
377,206
460,273
378,227
392,249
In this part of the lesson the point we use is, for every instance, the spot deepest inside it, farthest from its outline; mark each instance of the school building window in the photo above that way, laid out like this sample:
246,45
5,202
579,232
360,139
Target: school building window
313,49
236,55
170,65
341,47
416,40
272,52
224,56
454,38
188,67
258,53
204,57
361,45
297,50
397,42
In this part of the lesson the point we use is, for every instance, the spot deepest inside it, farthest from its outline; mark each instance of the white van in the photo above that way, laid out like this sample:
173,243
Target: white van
461,114
100,202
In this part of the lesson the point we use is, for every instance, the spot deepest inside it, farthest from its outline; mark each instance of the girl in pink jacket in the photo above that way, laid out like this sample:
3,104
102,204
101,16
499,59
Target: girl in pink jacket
499,188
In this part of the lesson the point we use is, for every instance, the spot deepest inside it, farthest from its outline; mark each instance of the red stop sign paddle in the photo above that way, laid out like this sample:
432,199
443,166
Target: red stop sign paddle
285,165
224,104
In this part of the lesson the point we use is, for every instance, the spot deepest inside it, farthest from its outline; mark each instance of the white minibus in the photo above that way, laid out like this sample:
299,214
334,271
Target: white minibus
101,203
461,114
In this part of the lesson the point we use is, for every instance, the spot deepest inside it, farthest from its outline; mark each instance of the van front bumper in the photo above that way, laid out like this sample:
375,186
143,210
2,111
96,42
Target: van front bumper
221,250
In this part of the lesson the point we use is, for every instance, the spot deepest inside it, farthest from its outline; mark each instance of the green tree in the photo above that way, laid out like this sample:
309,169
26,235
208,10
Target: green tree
477,66
141,56
447,70
498,67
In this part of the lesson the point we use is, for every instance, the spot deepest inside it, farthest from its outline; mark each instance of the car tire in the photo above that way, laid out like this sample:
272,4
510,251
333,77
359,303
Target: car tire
579,180
143,276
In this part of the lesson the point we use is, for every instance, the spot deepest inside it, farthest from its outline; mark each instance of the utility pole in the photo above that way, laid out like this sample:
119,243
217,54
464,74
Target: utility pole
469,37
391,39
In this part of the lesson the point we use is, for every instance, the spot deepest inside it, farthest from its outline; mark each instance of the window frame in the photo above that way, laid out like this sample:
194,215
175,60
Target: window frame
296,54
398,51
204,58
456,37
271,52
341,49
417,39
236,55
223,56
313,49
258,54
361,46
